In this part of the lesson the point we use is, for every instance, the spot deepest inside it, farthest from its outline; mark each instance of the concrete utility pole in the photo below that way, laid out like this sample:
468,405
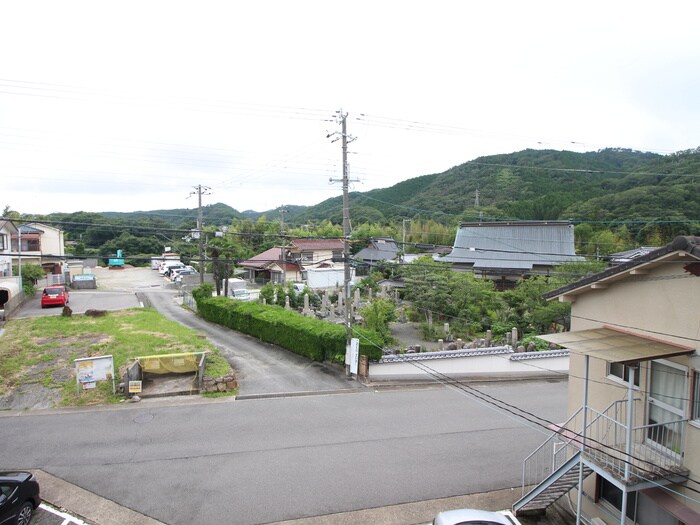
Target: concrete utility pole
199,190
283,210
346,231
403,239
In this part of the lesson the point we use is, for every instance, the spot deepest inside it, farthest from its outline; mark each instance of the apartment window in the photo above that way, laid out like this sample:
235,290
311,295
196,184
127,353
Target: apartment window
623,372
612,495
307,257
3,242
696,395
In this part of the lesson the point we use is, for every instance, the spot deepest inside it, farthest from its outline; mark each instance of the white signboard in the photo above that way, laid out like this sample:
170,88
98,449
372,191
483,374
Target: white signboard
89,370
354,355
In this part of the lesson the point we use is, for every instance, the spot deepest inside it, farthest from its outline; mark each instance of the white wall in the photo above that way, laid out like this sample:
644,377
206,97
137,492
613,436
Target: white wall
496,364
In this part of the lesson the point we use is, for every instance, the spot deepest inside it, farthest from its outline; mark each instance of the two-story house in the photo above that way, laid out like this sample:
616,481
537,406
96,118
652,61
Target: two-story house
294,262
40,244
632,442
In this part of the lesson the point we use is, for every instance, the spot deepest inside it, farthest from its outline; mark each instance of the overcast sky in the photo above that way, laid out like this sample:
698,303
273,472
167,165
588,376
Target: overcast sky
127,106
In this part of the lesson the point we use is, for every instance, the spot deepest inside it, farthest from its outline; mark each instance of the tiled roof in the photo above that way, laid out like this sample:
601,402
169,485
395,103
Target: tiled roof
26,229
517,245
263,259
318,244
380,249
688,244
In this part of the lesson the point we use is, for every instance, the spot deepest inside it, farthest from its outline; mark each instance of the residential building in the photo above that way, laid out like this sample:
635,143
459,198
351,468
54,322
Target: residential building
379,249
632,440
508,251
294,262
11,294
40,244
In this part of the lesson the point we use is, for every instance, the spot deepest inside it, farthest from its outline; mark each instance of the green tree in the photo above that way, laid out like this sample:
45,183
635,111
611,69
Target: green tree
377,315
31,273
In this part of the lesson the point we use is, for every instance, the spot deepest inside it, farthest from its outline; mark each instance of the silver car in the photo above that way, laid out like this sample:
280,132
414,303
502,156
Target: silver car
475,517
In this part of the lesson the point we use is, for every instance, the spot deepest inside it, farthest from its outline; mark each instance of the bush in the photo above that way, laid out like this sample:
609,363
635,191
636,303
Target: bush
318,340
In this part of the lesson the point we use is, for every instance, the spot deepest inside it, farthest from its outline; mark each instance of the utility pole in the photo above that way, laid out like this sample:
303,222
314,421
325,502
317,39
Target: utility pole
199,190
283,210
346,232
403,239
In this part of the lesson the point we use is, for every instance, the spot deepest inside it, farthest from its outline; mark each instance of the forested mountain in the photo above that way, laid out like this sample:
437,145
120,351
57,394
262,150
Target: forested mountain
617,198
608,185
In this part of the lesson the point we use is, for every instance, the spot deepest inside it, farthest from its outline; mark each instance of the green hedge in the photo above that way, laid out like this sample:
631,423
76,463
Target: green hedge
313,338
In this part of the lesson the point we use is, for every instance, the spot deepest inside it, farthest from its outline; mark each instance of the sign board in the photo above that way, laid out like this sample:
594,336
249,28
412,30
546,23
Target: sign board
354,354
135,387
89,370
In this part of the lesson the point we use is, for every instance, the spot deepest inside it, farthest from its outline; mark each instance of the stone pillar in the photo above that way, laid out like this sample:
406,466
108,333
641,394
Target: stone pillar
307,310
369,293
356,298
489,335
286,302
514,335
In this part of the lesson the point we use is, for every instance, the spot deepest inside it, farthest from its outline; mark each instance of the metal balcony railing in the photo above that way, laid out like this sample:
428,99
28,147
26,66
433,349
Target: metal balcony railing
655,450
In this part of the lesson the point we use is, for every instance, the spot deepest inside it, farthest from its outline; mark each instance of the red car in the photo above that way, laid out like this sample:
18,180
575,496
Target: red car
54,295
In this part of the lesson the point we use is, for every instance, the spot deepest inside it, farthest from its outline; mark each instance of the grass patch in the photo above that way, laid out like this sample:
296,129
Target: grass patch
32,350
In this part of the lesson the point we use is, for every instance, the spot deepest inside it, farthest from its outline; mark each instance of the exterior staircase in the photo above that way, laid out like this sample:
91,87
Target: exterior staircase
553,487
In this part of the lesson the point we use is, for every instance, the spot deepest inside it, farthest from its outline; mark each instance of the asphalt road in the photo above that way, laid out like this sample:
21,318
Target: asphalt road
268,460
80,301
261,368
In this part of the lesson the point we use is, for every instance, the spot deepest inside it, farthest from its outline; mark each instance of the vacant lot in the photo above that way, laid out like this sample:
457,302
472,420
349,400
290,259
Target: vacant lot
37,355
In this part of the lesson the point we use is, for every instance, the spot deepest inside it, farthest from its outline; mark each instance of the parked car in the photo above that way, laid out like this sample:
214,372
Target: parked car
241,295
54,295
178,275
174,272
475,517
19,497
166,266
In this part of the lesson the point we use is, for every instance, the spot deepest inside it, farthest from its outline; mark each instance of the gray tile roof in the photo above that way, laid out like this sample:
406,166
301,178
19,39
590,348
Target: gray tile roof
379,249
513,245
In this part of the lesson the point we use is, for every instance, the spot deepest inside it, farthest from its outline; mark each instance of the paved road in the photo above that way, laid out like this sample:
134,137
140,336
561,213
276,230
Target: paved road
268,460
79,302
261,368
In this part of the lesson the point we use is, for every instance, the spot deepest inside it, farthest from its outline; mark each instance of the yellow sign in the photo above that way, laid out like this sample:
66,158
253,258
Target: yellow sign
135,387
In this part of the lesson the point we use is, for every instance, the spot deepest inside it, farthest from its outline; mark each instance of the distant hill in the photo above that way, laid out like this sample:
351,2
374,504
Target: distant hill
218,214
610,184
606,185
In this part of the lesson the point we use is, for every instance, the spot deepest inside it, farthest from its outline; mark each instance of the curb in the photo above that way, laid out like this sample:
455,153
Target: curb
87,506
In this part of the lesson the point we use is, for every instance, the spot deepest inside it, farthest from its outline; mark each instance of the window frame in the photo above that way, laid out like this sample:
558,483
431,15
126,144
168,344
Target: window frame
695,401
623,374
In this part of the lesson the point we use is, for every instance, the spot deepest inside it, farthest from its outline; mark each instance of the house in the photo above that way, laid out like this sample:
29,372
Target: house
11,294
293,263
508,251
632,440
40,244
379,249
258,269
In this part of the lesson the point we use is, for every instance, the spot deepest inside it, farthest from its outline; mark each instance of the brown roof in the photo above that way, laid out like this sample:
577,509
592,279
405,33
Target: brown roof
318,244
263,259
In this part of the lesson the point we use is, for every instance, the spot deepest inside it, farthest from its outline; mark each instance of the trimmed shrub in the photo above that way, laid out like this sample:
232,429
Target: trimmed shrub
313,338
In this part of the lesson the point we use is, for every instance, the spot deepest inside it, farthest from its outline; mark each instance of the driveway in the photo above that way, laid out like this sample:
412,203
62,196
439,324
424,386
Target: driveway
261,369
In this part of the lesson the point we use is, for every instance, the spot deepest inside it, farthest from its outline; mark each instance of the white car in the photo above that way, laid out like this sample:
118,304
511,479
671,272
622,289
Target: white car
174,272
475,517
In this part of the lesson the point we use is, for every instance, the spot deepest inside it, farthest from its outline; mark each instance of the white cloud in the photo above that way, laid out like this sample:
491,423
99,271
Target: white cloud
127,106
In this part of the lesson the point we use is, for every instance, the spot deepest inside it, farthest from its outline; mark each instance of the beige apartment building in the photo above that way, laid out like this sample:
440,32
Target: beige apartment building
633,437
